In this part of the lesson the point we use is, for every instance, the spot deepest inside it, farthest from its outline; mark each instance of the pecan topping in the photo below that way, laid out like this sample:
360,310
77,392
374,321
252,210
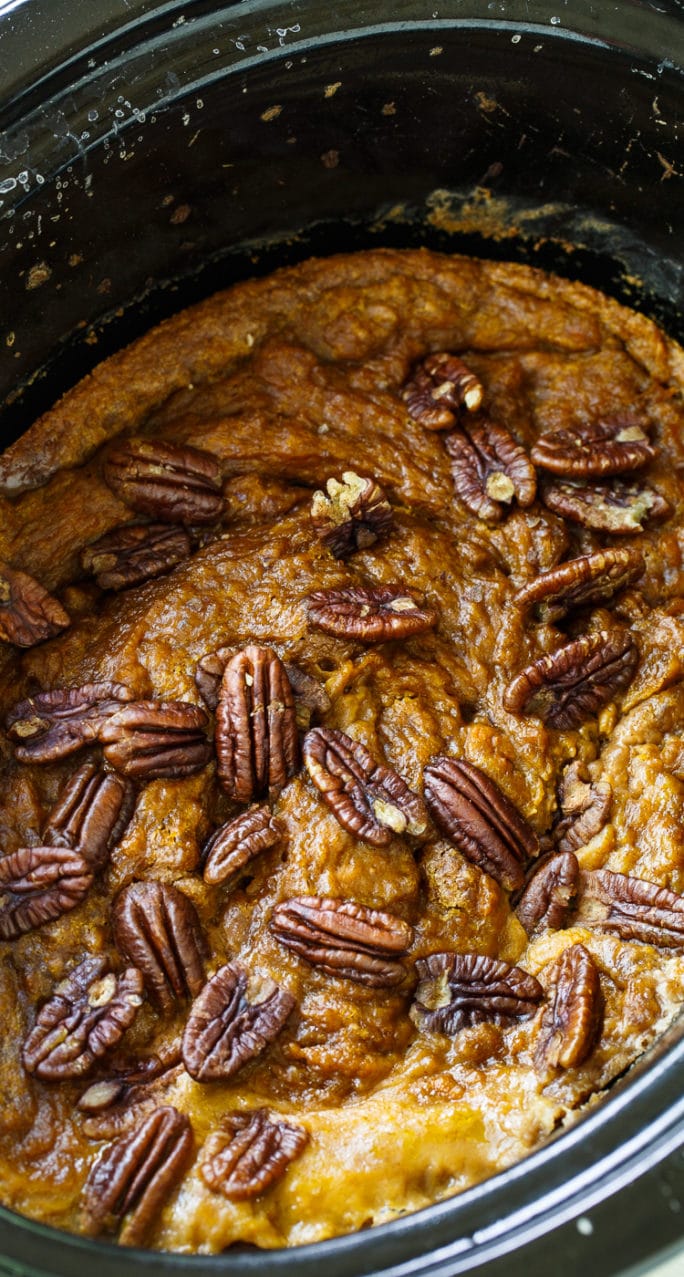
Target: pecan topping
370,614
157,929
122,1116
485,826
127,556
39,884
597,448
489,469
168,481
344,938
28,614
572,1021
53,724
86,1016
618,507
132,1179
133,1088
368,799
570,685
209,673
149,739
585,809
147,1068
354,514
458,990
249,1153
548,894
100,1096
311,699
91,814
257,743
632,908
590,579
235,844
438,388
234,1018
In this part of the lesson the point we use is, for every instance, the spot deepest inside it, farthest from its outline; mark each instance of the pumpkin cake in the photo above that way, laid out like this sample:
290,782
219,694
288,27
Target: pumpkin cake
342,804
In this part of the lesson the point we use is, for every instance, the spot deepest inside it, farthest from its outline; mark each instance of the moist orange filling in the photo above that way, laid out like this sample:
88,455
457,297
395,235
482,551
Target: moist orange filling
343,770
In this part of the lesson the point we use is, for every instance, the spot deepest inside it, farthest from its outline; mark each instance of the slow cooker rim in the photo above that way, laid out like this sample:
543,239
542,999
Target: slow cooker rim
31,63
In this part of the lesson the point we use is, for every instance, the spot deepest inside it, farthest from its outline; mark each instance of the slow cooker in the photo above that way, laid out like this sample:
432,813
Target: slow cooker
152,151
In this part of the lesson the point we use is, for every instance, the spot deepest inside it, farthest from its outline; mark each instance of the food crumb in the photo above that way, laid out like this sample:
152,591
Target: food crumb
38,274
180,214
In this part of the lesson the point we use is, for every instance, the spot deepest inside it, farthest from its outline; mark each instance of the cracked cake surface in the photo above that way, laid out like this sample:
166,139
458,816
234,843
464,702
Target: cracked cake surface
342,803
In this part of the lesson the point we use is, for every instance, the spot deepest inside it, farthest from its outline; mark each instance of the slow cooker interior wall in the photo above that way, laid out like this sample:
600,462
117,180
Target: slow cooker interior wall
158,187
147,214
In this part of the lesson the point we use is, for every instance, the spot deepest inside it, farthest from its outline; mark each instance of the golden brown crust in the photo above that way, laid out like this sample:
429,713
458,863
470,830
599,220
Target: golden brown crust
209,339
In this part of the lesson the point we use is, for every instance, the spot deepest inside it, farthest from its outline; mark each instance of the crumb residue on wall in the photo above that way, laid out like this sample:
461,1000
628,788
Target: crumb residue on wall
38,274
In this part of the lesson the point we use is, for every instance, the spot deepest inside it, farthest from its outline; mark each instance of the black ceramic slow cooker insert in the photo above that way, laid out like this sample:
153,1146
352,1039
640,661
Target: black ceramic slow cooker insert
152,151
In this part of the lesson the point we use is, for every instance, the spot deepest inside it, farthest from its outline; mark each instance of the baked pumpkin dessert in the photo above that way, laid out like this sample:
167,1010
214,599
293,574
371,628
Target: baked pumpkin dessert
342,811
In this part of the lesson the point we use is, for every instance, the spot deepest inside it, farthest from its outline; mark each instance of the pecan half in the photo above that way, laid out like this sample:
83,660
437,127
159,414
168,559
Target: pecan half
570,685
234,1019
585,809
249,1153
368,799
257,742
149,739
52,725
28,614
352,516
311,700
485,826
157,929
168,481
370,614
592,578
344,938
238,842
100,1096
618,507
632,908
132,1179
457,990
132,1089
439,386
548,895
209,673
166,1060
572,1021
85,1018
122,1117
614,446
489,469
91,814
127,556
39,884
